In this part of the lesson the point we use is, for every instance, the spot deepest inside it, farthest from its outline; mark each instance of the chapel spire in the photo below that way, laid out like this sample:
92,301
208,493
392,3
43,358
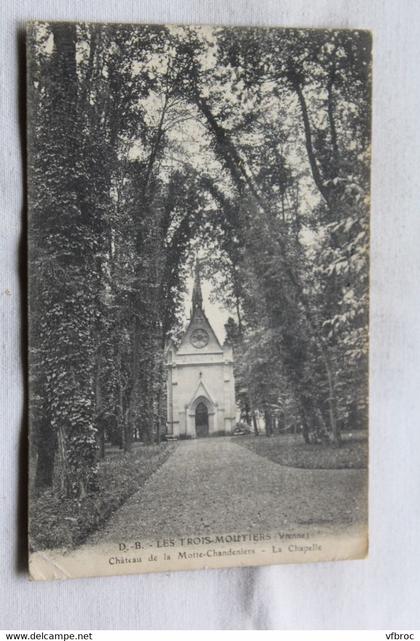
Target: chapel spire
197,296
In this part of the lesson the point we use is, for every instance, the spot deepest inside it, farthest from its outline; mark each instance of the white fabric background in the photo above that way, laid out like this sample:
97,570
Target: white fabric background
383,591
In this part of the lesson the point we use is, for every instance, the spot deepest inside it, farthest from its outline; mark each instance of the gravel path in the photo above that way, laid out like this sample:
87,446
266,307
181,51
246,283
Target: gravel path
213,485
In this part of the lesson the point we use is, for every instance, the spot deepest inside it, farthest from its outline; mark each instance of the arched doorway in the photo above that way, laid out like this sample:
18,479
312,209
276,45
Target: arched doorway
201,420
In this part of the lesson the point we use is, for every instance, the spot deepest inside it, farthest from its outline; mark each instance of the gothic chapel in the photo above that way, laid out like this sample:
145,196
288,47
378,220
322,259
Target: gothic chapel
201,389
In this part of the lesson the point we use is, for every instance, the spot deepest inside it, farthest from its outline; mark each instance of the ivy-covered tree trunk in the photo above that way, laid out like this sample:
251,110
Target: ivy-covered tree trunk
72,361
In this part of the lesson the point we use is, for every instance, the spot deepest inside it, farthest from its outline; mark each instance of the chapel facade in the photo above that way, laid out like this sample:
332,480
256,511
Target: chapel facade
200,382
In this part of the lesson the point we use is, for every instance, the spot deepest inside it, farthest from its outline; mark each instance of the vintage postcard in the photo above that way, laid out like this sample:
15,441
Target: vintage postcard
198,296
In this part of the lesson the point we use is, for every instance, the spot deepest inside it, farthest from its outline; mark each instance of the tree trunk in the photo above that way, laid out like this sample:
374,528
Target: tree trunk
99,419
305,428
247,414
308,142
255,423
44,468
102,444
268,419
130,424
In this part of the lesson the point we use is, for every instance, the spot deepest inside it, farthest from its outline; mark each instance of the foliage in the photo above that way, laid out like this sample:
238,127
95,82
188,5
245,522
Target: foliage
56,522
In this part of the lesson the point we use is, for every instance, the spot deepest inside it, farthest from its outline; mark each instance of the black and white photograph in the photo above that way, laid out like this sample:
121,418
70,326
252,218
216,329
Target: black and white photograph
198,236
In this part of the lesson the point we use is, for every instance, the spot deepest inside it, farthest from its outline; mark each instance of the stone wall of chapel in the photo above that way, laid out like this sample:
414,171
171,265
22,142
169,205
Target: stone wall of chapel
215,371
188,379
200,361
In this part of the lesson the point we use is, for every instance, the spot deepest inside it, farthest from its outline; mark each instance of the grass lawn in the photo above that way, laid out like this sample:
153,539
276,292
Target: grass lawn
291,450
56,522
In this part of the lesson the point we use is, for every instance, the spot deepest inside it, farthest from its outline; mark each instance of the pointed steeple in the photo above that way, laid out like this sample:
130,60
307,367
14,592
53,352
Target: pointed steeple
197,296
